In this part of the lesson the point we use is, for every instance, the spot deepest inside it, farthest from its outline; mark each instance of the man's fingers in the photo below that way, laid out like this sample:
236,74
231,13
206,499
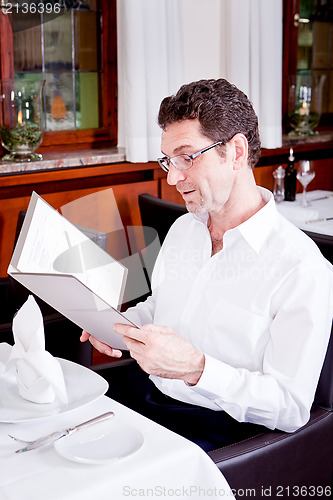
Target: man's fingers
102,348
131,332
84,336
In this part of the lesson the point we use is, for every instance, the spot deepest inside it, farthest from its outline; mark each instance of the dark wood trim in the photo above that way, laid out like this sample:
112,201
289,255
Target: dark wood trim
6,53
109,64
126,169
289,64
6,47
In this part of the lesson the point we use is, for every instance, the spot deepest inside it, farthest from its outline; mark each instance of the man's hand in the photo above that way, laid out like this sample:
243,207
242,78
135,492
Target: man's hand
160,351
103,348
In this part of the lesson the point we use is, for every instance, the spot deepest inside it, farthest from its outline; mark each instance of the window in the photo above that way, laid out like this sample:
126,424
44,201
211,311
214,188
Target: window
72,45
308,38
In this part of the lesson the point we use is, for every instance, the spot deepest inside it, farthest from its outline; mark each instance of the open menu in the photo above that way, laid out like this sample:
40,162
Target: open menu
61,265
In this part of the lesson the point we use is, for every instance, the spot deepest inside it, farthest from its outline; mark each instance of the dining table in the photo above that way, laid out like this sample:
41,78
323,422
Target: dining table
127,456
316,217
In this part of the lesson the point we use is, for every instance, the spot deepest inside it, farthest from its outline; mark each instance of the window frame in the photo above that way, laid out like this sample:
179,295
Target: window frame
290,40
106,135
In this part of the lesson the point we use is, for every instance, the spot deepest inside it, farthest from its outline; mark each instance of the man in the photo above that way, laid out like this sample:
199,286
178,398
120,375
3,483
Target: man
236,330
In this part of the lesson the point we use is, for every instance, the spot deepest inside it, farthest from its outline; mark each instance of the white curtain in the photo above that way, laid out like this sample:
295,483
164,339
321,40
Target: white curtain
158,42
150,54
251,58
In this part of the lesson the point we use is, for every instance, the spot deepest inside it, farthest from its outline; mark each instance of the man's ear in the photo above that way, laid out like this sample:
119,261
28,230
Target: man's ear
240,151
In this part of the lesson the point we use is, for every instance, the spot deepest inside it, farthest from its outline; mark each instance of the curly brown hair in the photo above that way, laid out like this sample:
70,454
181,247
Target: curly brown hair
221,108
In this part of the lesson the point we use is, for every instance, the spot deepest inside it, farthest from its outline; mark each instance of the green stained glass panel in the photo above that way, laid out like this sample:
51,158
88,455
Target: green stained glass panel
87,97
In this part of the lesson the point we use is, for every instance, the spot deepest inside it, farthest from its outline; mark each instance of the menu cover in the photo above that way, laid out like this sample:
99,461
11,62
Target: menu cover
61,265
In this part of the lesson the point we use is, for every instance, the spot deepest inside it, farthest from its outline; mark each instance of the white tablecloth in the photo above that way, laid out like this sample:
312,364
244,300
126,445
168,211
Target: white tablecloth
166,465
320,207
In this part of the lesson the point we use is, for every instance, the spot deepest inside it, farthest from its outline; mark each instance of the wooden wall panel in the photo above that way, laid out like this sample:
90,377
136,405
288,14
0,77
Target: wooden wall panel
170,193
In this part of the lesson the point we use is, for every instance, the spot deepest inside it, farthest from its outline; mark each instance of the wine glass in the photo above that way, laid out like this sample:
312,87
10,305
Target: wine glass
305,174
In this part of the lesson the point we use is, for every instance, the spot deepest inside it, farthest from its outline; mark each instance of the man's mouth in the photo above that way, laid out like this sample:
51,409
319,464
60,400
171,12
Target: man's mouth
186,192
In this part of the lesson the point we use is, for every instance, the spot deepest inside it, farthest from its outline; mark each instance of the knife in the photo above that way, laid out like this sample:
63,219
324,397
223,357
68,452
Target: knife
318,220
54,436
322,197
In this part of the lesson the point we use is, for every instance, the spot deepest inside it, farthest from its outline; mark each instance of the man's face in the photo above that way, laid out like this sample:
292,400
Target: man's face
207,185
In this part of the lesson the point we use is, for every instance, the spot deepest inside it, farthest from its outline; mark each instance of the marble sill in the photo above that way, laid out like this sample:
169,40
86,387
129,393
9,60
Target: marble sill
67,159
324,136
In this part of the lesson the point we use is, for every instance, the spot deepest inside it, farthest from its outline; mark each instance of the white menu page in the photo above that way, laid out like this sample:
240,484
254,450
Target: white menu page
62,266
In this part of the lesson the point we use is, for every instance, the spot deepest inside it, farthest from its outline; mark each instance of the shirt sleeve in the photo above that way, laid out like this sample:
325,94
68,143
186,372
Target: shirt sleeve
142,313
280,396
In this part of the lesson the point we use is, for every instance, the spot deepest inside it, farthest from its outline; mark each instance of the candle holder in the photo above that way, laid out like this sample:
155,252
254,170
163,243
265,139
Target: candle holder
305,104
21,119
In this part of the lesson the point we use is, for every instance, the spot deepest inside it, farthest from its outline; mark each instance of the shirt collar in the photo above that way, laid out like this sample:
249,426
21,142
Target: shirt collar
255,230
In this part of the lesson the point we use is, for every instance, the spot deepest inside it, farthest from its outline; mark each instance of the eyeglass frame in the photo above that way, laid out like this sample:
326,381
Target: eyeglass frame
192,157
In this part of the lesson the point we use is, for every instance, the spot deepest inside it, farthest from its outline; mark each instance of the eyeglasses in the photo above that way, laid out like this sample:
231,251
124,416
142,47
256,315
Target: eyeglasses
184,162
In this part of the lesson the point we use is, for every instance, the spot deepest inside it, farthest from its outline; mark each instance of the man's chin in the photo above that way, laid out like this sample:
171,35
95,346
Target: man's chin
195,208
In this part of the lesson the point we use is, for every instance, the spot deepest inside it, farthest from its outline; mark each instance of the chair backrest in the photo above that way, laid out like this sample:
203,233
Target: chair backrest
324,392
159,214
324,242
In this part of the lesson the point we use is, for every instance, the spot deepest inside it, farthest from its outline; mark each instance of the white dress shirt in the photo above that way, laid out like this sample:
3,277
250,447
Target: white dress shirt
260,310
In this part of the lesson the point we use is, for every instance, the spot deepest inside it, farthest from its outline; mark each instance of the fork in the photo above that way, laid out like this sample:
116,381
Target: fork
20,440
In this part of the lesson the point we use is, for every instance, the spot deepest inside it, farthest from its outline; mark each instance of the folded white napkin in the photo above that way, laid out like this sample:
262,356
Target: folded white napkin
39,375
5,350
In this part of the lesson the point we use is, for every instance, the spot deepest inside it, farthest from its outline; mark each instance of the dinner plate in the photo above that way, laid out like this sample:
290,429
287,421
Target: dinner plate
83,386
104,442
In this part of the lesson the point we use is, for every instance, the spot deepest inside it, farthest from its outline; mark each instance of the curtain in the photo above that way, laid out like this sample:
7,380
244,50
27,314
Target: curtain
156,55
150,51
251,58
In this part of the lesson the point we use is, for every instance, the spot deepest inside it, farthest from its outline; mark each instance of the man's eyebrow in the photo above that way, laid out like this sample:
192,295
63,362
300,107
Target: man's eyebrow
179,149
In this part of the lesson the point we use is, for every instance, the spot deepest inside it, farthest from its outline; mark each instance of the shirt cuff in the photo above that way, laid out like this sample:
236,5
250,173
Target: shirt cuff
216,379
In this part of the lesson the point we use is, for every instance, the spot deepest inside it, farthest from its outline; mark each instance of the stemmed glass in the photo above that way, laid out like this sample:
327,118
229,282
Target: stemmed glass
305,174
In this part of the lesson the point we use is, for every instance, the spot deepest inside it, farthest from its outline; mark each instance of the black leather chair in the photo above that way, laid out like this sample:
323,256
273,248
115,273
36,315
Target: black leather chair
159,214
273,464
324,243
280,463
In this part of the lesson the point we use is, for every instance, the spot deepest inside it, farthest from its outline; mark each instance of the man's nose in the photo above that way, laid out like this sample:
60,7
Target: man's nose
175,175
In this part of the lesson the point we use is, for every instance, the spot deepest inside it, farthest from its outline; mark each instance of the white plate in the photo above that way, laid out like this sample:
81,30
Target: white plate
82,384
102,443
